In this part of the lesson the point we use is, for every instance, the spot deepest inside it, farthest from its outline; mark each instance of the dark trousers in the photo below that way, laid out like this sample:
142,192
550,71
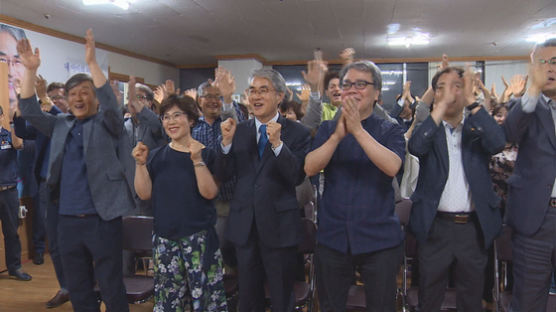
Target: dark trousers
458,244
377,269
9,208
52,232
39,224
534,259
91,250
255,261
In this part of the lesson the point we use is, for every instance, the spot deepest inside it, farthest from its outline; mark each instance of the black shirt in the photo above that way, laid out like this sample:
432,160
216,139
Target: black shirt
179,209
8,159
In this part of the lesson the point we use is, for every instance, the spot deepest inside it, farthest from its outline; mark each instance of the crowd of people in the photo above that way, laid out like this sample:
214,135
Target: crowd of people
225,181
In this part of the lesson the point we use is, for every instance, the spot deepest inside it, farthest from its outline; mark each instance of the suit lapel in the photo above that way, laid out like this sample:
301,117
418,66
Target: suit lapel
545,116
251,141
442,146
87,126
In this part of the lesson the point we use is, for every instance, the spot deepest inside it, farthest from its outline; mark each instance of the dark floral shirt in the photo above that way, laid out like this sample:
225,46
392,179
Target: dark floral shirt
501,167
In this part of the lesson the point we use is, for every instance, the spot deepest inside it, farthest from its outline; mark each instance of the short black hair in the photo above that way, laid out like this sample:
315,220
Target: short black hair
54,86
77,79
548,43
329,76
286,105
446,70
185,103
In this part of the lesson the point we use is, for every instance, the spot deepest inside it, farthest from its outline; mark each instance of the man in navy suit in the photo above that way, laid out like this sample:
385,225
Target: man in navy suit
266,154
455,214
532,189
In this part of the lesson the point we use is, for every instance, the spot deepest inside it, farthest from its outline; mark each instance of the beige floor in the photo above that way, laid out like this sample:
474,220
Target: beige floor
16,296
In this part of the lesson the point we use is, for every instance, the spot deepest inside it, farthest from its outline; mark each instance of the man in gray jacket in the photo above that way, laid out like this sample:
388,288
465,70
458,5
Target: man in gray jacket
90,172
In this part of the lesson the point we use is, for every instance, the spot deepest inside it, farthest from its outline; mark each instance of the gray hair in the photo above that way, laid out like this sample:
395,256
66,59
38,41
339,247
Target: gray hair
148,92
275,78
202,87
367,67
15,32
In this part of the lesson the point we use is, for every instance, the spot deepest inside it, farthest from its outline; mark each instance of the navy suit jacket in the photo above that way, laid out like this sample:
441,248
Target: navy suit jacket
265,189
530,186
481,138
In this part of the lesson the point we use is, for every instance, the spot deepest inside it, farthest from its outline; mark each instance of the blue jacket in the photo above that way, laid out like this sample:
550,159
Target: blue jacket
481,138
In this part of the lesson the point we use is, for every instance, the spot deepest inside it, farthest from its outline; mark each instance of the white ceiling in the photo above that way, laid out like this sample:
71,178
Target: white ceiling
196,31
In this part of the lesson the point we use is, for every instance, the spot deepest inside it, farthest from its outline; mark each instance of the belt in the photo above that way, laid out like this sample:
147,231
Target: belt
552,202
457,217
5,188
84,215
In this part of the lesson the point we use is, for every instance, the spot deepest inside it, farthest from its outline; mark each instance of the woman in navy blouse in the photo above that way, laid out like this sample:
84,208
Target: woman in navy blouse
178,178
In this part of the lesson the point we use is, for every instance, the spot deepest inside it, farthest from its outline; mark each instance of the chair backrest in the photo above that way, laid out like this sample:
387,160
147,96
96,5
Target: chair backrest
137,233
309,241
503,244
403,210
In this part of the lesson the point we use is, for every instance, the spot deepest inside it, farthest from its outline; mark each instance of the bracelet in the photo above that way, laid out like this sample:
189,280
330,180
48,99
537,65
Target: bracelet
200,164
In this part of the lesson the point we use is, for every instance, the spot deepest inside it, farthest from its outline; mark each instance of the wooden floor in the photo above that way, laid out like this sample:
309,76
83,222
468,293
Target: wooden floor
17,296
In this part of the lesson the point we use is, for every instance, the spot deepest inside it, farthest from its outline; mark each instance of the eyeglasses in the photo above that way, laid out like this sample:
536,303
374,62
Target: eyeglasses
141,97
261,91
211,97
551,61
173,116
56,97
359,84
10,61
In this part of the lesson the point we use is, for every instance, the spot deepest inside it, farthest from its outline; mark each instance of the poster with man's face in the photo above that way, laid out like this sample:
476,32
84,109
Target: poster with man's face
9,36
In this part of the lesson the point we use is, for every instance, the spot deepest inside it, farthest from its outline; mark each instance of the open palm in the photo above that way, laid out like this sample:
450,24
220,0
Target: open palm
29,59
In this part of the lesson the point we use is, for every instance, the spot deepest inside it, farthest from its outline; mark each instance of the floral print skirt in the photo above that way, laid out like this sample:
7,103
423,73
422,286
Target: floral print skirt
185,277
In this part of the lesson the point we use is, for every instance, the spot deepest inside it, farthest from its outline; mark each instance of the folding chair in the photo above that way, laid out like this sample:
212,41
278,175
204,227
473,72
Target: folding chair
137,237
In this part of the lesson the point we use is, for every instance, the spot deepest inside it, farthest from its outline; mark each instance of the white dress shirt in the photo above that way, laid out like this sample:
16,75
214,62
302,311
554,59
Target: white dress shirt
456,196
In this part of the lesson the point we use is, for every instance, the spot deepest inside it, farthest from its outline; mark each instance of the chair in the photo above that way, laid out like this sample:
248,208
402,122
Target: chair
305,291
137,237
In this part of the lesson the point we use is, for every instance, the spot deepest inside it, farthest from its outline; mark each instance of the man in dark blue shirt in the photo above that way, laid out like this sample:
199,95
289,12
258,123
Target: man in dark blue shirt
90,169
9,202
360,154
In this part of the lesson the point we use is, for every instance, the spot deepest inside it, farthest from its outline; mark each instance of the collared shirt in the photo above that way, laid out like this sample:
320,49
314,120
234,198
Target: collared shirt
75,194
8,159
226,149
528,105
357,209
456,196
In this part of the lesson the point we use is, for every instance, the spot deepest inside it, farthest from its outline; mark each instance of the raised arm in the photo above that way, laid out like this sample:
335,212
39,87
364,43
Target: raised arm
142,180
205,182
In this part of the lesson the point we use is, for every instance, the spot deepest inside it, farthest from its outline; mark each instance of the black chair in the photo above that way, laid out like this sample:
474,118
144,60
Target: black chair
137,237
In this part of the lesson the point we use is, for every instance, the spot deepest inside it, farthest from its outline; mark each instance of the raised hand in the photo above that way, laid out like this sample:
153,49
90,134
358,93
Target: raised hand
228,129
30,60
468,83
518,85
40,87
347,56
444,63
406,94
160,93
505,97
493,90
195,148
191,93
90,56
538,79
135,105
304,94
140,153
340,131
225,82
316,69
273,131
116,90
170,87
